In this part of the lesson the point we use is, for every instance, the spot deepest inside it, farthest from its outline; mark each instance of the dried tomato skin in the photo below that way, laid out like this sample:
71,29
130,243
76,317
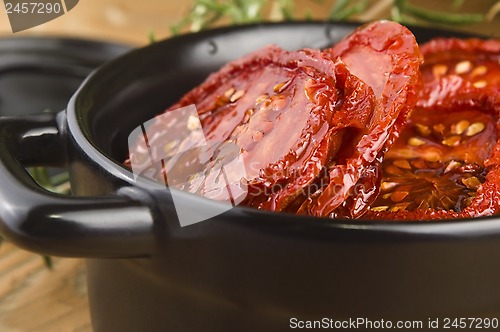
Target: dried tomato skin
304,164
280,118
452,89
451,72
432,147
486,203
386,57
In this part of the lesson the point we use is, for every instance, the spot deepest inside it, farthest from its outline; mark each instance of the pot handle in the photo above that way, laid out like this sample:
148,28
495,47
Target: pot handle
51,224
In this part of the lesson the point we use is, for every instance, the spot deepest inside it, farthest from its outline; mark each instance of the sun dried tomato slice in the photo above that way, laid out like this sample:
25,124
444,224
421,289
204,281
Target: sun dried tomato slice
446,162
277,107
435,164
386,56
461,72
312,126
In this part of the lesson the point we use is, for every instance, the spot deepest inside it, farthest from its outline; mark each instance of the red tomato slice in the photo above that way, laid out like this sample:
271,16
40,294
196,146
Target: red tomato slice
446,163
277,107
461,72
312,126
386,57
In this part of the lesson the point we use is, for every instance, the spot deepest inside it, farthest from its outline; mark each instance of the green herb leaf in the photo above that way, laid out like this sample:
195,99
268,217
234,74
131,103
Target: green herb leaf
348,11
457,4
47,260
205,14
442,17
152,37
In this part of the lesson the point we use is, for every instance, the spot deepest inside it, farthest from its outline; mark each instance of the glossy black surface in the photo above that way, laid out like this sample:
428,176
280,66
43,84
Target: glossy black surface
40,74
247,270
37,220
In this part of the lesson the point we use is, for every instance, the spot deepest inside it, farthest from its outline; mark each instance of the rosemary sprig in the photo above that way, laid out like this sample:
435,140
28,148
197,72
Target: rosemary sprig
343,9
57,183
457,4
205,14
405,8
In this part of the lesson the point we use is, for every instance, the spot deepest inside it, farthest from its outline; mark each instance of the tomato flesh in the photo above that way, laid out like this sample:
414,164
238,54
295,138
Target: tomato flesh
349,132
282,110
386,56
435,164
445,164
312,126
461,72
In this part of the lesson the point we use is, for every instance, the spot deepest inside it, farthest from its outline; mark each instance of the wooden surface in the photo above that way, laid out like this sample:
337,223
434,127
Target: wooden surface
33,298
36,299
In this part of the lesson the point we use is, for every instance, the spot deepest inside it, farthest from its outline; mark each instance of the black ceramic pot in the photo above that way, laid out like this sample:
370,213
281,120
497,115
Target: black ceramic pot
244,270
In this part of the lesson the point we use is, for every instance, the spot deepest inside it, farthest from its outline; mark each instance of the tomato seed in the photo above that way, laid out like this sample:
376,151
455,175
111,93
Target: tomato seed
452,165
439,129
432,155
415,141
260,99
460,127
247,116
229,93
280,87
463,67
398,207
451,141
385,186
402,164
422,129
169,147
480,70
193,123
379,208
439,70
475,129
398,196
480,84
472,183
257,136
237,95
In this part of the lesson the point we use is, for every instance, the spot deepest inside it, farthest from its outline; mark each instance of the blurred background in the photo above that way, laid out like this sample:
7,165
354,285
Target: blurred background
132,22
36,298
